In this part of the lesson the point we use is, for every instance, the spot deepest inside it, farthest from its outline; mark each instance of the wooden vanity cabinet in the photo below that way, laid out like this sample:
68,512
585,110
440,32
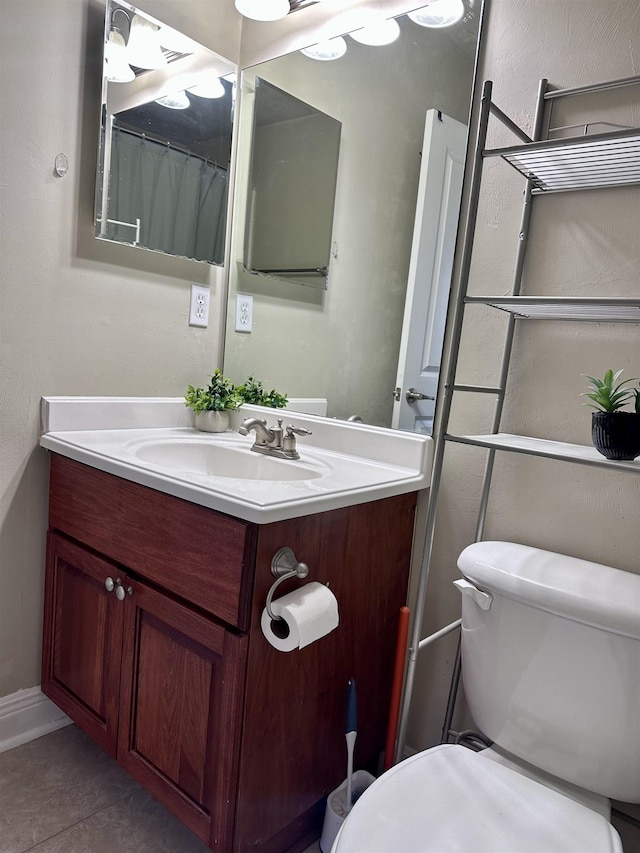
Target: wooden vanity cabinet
168,669
153,681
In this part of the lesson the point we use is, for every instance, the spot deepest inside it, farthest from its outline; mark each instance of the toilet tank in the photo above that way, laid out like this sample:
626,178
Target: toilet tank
551,667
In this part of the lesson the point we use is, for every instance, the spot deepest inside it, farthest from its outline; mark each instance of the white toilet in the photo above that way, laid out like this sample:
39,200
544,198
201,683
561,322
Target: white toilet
551,673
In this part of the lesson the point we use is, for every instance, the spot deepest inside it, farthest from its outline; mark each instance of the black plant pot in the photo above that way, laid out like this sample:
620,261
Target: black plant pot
616,434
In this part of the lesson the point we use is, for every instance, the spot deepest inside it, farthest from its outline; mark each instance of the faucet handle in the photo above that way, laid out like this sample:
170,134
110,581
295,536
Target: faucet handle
291,429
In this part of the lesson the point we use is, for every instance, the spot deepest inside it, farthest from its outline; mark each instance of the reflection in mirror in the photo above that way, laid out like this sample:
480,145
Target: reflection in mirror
290,206
165,139
343,343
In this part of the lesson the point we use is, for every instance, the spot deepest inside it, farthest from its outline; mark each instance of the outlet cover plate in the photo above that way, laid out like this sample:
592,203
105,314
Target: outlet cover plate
244,312
199,306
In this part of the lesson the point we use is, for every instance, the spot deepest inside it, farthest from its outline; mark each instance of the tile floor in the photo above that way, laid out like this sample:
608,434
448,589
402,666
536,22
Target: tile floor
63,794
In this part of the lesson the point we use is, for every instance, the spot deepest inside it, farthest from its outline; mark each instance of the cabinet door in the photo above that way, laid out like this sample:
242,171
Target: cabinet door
182,685
82,634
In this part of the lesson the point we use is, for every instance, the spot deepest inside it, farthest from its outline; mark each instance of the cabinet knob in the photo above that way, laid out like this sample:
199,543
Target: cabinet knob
121,591
110,584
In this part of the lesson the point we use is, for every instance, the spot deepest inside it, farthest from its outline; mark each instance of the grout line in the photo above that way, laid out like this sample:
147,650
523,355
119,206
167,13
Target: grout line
71,825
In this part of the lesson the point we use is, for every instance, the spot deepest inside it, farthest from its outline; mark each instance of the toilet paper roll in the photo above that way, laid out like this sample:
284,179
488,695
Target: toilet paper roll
309,612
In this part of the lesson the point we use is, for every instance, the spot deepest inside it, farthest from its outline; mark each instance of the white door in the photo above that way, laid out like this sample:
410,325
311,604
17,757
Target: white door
430,267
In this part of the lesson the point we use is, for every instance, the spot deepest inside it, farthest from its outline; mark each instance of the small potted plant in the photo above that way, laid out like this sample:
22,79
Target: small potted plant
213,404
615,434
252,391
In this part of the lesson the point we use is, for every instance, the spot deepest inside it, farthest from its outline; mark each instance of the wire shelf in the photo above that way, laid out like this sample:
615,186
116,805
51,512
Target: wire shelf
589,162
612,309
560,450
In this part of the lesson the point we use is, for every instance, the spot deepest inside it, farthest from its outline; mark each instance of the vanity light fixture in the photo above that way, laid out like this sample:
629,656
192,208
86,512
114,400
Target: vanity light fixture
143,48
175,101
327,50
118,69
209,88
440,13
378,33
263,10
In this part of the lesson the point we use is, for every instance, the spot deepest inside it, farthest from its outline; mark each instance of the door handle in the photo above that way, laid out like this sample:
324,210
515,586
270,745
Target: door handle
412,395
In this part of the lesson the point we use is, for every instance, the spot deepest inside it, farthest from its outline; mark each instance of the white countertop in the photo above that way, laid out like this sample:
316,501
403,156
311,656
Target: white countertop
341,463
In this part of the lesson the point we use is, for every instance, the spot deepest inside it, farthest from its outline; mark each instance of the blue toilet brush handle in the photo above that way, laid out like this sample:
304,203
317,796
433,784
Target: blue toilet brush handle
351,732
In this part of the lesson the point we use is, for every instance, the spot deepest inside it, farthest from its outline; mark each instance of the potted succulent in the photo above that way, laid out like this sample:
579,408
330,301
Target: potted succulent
615,434
252,391
213,404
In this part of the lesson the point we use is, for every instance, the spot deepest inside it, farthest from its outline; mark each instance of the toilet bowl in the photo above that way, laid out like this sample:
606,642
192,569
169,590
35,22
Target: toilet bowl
450,798
551,667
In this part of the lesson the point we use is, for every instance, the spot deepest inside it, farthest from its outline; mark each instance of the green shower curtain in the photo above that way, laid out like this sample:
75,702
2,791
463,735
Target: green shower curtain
180,198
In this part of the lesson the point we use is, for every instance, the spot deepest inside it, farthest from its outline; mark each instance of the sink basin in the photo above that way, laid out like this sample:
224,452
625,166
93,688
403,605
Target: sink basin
209,458
151,441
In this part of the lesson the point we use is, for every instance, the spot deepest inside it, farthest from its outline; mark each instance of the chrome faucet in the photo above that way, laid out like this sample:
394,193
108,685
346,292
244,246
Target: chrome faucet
274,441
264,435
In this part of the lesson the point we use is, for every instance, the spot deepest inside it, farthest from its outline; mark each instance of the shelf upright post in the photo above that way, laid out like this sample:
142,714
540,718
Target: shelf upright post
523,236
457,306
623,169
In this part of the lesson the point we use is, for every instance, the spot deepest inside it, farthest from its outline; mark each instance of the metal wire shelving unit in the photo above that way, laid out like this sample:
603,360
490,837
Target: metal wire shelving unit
549,166
565,165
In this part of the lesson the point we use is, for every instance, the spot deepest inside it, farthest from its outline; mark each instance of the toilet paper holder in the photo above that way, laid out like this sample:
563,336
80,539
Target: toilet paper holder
284,565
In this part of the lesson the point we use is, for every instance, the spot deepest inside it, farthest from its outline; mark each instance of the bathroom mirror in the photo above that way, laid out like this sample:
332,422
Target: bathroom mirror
290,198
343,343
165,139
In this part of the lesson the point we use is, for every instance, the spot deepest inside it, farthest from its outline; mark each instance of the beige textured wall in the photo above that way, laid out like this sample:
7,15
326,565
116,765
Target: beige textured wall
580,244
77,316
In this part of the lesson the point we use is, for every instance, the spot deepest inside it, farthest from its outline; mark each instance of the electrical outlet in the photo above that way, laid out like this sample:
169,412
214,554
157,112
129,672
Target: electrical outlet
244,312
199,306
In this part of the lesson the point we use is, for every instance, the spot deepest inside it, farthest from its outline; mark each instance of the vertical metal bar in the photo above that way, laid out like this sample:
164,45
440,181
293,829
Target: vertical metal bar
106,171
523,237
439,444
504,371
453,695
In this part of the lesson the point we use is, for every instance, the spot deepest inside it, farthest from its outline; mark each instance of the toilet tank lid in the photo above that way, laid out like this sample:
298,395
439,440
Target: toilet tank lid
580,590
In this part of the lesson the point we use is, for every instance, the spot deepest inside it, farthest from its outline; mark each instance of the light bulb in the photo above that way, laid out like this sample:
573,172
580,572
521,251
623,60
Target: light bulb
210,88
117,69
263,10
378,33
440,13
174,101
325,51
143,49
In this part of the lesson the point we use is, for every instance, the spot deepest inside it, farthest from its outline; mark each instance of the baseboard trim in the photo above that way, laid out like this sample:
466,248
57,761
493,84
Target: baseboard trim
27,715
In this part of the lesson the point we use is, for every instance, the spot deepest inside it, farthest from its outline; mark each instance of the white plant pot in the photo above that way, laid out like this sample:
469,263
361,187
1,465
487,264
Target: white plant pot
212,421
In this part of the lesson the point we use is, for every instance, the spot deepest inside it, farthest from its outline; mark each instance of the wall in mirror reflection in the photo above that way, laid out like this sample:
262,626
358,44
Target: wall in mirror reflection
342,344
292,185
165,139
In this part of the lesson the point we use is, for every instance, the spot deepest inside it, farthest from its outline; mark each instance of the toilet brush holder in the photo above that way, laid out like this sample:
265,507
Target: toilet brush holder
336,810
